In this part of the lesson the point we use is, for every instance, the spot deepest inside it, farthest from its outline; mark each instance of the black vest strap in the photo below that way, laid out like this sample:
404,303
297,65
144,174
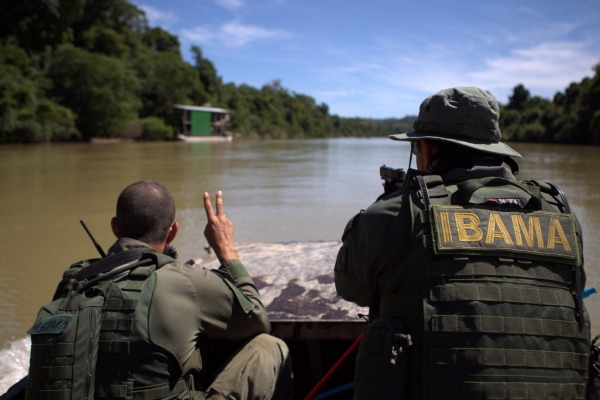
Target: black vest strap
467,188
107,263
430,186
116,391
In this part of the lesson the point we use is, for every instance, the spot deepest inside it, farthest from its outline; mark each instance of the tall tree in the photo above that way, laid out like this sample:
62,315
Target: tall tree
101,90
26,115
519,98
160,40
209,78
169,81
38,24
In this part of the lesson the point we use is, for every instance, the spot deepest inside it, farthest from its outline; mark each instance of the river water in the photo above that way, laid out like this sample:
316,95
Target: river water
281,196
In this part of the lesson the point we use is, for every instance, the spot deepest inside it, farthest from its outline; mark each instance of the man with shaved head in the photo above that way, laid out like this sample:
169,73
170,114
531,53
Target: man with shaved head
145,210
153,343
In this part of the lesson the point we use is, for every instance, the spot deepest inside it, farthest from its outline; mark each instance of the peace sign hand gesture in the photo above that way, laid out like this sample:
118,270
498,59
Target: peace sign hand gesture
219,230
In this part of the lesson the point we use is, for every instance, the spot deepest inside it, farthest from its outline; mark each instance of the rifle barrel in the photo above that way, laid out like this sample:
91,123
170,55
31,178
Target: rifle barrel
98,247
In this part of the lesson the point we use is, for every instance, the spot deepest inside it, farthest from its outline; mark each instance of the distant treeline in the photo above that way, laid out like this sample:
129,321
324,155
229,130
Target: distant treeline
73,70
571,117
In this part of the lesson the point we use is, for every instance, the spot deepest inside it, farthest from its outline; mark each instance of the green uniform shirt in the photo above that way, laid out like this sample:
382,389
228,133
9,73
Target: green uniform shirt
190,300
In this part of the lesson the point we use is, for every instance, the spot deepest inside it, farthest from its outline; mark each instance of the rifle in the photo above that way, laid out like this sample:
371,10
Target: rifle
170,250
393,179
98,247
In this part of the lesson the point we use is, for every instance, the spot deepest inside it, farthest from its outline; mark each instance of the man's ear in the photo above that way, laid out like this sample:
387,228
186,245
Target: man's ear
172,232
426,150
115,226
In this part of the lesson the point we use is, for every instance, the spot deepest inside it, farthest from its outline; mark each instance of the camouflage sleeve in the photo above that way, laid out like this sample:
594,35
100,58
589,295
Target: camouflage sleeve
230,304
351,274
375,244
241,284
190,300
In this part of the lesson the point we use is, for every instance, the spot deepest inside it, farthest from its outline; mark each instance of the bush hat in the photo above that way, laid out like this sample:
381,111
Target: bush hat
467,116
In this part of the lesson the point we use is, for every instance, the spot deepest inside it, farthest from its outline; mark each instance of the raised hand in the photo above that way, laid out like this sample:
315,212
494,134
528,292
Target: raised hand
219,230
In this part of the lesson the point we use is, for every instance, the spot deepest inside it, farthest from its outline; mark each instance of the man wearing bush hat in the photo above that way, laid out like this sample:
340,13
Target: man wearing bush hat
473,279
467,116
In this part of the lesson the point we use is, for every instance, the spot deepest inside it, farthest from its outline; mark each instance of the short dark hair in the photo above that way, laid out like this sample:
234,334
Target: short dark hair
145,211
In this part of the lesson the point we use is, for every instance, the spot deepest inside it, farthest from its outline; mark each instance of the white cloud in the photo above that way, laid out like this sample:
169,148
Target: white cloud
543,69
231,34
393,80
156,16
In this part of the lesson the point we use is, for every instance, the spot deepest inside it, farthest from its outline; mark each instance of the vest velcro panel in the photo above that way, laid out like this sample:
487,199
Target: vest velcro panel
506,390
505,325
500,268
501,293
508,357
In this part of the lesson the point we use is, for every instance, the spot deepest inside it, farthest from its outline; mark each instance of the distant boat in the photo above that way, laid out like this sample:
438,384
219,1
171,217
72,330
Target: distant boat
203,139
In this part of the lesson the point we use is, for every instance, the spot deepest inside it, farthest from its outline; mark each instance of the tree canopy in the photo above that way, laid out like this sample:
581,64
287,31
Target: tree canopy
571,117
77,69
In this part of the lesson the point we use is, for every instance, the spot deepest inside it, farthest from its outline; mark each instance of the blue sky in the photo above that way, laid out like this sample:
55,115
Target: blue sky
381,58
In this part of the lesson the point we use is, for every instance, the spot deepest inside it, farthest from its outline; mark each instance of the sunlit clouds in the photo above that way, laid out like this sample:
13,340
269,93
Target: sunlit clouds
230,34
545,68
157,16
381,60
230,4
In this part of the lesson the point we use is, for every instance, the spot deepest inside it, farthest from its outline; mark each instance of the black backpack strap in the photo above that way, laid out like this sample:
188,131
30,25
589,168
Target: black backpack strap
148,258
424,190
562,203
107,263
469,187
430,186
578,273
561,194
552,195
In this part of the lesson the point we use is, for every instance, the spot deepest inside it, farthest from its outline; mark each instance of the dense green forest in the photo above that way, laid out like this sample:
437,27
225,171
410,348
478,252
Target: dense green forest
77,69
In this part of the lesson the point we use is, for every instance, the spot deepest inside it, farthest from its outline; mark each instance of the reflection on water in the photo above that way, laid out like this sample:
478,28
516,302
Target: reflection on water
275,192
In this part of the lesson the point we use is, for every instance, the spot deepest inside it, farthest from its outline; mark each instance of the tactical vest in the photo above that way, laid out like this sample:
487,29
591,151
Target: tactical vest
497,310
92,342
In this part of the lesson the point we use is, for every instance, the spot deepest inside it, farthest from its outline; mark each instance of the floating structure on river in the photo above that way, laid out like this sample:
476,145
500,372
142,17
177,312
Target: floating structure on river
203,123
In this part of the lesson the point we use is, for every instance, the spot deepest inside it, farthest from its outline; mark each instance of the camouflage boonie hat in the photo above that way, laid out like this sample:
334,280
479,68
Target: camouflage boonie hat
467,116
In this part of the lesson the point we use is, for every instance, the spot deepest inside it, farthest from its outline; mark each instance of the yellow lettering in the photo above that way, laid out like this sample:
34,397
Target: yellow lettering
446,231
502,232
467,225
557,235
535,229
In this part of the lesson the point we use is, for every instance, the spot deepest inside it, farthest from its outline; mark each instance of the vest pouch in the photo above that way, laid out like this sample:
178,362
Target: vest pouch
381,367
593,388
64,348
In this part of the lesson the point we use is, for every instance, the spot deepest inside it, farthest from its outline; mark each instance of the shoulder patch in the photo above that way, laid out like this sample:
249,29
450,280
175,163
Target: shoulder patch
510,202
52,325
537,235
